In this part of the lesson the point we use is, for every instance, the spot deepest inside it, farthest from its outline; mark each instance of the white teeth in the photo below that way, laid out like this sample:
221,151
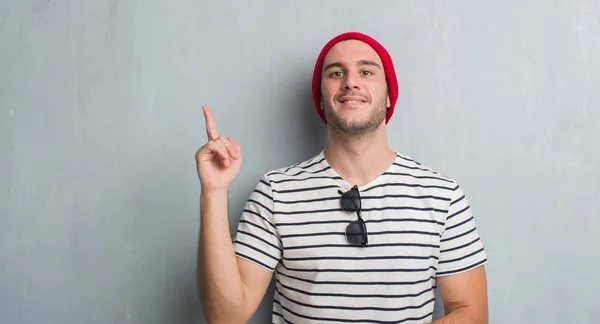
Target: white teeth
350,101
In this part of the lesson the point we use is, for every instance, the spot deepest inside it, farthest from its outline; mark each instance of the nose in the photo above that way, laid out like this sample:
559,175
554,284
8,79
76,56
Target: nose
351,81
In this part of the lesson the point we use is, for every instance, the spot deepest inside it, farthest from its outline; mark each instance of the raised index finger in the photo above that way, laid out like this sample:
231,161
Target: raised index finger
211,129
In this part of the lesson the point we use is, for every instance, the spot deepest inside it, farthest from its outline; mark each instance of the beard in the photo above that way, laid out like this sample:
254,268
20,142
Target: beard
357,128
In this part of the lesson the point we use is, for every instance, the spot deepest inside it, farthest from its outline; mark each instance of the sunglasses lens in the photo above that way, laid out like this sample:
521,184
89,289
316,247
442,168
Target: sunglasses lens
350,201
355,233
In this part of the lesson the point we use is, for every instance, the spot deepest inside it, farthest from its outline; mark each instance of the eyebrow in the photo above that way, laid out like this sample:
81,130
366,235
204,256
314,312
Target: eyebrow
361,62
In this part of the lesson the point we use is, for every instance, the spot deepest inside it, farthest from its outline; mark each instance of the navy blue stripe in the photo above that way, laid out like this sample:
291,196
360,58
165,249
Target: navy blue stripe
260,216
445,273
371,221
264,194
261,205
255,249
460,246
457,236
294,202
355,308
305,189
299,173
308,164
462,257
277,314
295,165
252,259
413,167
416,176
310,293
459,224
360,283
368,189
354,320
348,246
457,200
368,270
243,221
407,159
260,239
362,198
406,196
370,233
321,211
311,164
457,213
306,179
406,185
363,258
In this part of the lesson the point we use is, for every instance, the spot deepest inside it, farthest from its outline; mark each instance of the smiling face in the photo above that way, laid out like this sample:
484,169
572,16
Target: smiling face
354,93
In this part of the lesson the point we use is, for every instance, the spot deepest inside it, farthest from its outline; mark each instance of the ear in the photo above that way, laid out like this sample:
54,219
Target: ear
321,103
388,103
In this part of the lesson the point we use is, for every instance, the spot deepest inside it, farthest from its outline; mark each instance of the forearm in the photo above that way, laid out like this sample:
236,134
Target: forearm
462,315
219,281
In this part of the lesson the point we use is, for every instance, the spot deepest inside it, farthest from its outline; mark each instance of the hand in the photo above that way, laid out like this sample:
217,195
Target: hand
218,162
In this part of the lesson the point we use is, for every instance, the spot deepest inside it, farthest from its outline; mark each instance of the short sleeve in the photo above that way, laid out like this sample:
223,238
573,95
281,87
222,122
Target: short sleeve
257,239
461,248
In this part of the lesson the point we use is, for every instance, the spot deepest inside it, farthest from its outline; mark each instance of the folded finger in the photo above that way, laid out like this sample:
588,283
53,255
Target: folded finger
220,150
234,149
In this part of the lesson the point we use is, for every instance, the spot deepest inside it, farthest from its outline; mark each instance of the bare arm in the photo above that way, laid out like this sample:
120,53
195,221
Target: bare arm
231,288
465,297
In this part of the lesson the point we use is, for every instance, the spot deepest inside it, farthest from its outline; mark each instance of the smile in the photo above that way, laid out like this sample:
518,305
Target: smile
352,99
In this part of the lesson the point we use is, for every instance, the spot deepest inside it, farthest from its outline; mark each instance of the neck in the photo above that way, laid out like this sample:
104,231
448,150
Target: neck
362,159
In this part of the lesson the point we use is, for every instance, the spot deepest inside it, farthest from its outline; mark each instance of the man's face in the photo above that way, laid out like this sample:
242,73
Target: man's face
354,92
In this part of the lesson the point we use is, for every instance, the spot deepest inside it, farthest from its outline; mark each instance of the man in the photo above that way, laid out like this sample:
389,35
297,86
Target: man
359,233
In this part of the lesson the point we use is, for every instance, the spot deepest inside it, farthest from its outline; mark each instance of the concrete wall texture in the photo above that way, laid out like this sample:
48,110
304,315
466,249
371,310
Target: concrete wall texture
100,117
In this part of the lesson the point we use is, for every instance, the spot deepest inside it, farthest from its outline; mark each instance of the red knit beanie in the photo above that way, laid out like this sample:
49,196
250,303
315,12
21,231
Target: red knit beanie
388,67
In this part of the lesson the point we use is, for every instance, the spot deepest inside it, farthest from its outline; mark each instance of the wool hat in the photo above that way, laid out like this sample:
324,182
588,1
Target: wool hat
388,67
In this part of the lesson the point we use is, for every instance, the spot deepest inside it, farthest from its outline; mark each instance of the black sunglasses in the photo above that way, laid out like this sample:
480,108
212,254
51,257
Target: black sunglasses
356,231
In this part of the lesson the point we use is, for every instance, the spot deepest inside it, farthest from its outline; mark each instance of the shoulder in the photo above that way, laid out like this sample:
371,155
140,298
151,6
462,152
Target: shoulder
292,178
441,184
300,169
407,165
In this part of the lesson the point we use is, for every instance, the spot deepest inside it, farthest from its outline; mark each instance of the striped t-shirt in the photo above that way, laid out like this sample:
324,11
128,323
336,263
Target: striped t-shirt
419,227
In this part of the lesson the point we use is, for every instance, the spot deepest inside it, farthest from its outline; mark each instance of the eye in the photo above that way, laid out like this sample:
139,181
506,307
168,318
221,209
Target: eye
367,72
335,74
